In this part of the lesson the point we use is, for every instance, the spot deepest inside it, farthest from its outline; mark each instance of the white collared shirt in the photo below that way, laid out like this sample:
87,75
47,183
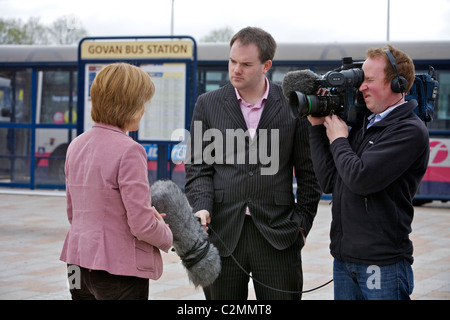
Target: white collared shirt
374,118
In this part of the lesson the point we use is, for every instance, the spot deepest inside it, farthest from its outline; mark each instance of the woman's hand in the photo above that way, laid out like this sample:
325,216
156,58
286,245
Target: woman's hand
159,216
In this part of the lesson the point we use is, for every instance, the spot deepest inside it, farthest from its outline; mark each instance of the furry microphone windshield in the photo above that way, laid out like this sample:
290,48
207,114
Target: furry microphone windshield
190,241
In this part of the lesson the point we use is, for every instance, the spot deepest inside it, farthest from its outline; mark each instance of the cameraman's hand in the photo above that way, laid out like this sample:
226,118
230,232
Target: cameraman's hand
315,121
336,128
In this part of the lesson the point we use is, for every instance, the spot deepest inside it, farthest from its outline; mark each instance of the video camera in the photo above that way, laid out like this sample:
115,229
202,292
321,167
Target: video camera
339,94
340,97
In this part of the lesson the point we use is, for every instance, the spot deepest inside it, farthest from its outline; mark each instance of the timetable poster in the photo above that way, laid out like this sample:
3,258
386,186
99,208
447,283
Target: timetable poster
91,72
167,110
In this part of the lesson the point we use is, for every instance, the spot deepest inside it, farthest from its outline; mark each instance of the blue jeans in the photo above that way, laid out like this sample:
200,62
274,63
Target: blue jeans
355,281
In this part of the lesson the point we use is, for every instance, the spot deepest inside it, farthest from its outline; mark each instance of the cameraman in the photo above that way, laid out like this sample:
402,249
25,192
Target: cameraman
373,172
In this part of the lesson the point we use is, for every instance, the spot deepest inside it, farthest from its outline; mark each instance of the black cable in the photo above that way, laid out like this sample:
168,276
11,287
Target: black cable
257,281
189,260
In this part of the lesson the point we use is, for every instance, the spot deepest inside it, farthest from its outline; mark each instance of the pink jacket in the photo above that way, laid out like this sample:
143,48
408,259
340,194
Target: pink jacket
113,227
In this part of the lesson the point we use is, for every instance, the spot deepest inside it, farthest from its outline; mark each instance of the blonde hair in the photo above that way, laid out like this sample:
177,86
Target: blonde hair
118,94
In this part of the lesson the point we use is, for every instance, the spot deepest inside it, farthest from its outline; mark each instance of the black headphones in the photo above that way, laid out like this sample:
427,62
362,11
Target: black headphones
399,84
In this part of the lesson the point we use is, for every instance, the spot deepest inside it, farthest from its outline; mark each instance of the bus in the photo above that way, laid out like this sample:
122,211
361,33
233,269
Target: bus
38,105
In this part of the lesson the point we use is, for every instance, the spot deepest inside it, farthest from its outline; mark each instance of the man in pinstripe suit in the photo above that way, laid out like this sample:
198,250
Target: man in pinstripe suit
244,147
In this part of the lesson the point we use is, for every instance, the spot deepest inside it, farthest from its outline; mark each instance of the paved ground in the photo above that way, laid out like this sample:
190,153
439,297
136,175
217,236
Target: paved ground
33,227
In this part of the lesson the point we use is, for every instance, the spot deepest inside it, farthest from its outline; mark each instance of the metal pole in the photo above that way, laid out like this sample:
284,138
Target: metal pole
388,20
171,23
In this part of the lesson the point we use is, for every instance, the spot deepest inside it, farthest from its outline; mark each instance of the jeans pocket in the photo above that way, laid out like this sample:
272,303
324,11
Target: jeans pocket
409,274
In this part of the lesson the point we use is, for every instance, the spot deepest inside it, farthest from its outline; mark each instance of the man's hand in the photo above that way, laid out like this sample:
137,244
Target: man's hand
336,128
315,121
302,232
205,218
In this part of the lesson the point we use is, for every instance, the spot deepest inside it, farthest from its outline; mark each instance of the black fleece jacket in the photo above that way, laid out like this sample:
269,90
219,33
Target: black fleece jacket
373,176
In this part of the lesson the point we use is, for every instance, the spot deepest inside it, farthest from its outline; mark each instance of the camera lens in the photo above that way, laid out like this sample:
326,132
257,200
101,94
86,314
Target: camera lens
353,77
317,106
300,104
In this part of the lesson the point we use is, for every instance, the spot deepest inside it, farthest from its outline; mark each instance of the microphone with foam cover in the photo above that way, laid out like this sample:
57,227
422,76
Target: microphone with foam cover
304,81
190,241
297,86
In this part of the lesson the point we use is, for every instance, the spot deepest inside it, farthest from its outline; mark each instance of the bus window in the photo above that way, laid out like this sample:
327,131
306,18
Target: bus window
5,99
441,119
15,96
50,154
56,105
56,102
215,79
15,107
276,74
443,112
14,155
211,78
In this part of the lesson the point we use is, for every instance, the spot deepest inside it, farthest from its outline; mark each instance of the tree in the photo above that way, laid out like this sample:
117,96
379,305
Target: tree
35,32
11,31
219,35
67,30
64,30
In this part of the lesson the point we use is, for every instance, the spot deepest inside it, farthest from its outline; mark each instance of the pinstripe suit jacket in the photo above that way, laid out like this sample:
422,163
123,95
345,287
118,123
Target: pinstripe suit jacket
225,188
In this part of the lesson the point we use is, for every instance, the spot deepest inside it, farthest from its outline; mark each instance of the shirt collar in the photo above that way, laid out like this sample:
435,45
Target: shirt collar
381,116
264,97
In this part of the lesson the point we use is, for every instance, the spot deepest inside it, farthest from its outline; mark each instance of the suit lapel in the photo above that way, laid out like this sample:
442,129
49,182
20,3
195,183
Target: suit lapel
232,108
271,109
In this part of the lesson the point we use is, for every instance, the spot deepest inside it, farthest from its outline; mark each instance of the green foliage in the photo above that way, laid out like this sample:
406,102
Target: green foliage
219,35
64,30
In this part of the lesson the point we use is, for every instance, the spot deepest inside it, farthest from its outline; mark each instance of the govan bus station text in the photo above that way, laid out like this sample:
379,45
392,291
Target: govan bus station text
139,49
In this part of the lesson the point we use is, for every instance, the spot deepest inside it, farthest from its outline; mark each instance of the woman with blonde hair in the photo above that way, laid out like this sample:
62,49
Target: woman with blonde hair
115,234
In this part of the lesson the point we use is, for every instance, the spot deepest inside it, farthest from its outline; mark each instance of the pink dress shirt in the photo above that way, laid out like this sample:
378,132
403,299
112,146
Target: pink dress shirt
252,115
112,223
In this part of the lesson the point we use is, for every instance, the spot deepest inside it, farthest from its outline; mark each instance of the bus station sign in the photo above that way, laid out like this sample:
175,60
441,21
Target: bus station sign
93,49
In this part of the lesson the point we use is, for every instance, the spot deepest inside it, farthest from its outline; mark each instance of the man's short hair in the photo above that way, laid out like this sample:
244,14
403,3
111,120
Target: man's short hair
405,64
262,39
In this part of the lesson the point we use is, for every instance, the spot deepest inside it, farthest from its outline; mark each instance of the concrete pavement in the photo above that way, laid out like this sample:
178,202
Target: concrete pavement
33,225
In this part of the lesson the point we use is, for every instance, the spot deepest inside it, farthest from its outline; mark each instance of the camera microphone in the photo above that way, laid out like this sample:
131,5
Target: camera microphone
304,81
297,86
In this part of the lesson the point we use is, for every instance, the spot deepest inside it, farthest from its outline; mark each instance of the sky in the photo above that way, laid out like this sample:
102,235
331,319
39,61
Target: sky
286,20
